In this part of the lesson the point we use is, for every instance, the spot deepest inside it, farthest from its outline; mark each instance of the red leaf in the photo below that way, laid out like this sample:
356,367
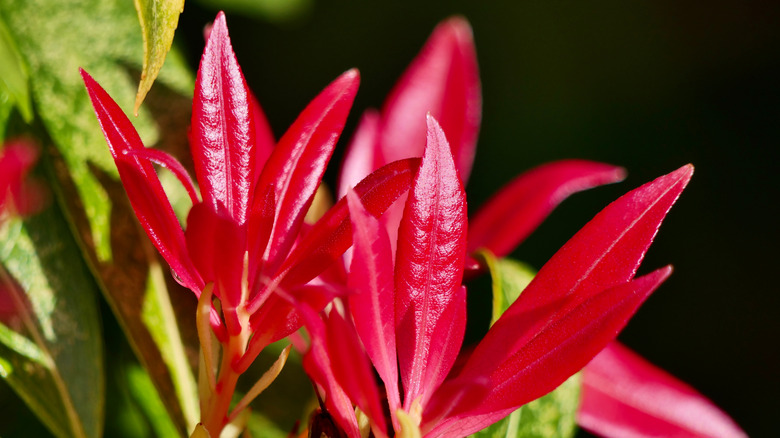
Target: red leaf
223,132
353,370
519,207
624,395
605,253
332,234
264,136
557,351
360,159
373,304
217,245
318,365
443,80
298,162
429,269
146,194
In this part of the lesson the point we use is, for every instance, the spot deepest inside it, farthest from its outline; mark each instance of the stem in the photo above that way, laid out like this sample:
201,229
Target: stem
215,416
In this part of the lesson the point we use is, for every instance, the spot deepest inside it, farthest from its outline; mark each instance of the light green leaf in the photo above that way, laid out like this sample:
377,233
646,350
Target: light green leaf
552,415
61,378
158,19
13,74
158,316
509,277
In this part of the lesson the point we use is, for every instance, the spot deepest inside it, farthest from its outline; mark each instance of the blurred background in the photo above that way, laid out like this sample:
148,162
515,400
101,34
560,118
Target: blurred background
646,85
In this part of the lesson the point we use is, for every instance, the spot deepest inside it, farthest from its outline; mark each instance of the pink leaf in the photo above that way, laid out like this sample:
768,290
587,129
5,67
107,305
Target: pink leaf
624,395
606,252
222,137
332,234
298,162
167,161
444,81
429,269
146,194
373,304
557,351
353,370
317,364
519,207
217,244
360,159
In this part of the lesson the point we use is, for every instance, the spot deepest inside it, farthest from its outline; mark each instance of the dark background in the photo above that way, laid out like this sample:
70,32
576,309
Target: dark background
647,85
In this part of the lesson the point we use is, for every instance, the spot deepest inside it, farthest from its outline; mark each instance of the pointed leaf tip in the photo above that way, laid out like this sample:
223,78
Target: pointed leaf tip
429,269
223,140
297,164
442,79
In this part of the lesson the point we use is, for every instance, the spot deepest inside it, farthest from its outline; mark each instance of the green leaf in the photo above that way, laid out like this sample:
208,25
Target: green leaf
13,74
552,415
58,368
158,19
6,106
158,316
55,38
144,394
509,277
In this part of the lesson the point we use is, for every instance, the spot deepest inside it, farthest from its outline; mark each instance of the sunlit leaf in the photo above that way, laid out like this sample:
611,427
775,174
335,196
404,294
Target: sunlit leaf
64,384
13,74
158,19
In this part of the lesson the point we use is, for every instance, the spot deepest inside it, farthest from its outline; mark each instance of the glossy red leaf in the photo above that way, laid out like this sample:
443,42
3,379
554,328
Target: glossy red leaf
332,234
317,363
261,224
510,215
623,395
555,352
167,161
143,188
429,269
353,370
443,80
373,304
606,252
296,165
223,131
217,244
